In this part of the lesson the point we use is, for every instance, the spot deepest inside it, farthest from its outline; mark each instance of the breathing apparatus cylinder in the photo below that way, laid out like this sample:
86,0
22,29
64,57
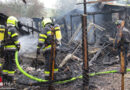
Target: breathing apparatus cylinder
2,38
2,32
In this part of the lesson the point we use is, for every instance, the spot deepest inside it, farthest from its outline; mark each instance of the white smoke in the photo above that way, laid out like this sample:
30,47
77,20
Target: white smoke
28,45
65,6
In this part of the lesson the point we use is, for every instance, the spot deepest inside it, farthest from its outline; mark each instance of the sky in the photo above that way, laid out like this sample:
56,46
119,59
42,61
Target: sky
47,3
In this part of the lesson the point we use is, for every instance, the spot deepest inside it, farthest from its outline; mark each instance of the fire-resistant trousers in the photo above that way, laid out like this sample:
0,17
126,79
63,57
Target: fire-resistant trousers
47,55
9,65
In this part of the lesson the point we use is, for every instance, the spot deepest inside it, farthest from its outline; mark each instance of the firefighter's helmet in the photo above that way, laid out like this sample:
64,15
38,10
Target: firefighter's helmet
46,21
12,21
118,22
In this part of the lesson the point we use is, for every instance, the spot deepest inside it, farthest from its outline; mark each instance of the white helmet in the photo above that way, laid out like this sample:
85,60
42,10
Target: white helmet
46,21
12,21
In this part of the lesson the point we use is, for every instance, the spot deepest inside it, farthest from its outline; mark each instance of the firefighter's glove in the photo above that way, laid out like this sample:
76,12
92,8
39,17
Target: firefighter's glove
59,43
18,47
19,25
118,22
38,51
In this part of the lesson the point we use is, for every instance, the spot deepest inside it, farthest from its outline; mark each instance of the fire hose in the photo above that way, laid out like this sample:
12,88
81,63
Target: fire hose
41,81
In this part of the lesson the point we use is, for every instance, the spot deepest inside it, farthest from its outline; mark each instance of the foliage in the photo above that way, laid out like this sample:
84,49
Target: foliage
16,8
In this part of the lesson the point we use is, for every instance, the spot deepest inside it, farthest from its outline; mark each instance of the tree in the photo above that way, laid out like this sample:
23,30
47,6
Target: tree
35,9
17,8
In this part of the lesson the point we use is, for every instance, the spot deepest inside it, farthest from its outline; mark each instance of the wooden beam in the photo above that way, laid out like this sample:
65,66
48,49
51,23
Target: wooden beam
97,1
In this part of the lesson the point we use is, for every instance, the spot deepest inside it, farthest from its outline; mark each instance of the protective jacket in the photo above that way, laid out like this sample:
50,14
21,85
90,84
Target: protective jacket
45,37
11,42
125,39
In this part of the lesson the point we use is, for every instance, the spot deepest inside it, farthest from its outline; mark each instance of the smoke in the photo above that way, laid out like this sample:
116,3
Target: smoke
17,8
65,6
28,45
28,22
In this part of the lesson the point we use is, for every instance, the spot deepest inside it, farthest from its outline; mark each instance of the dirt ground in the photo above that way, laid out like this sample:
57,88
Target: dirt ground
110,81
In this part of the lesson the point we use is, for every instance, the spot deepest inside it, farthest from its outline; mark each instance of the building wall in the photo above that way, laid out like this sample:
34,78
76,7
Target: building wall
125,15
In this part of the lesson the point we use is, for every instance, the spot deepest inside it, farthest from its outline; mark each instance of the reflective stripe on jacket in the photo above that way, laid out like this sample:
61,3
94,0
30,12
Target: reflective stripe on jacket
10,73
47,48
10,47
5,71
47,73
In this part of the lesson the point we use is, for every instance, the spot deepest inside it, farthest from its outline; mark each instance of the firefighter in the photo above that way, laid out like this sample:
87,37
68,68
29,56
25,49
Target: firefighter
122,41
11,44
2,34
44,43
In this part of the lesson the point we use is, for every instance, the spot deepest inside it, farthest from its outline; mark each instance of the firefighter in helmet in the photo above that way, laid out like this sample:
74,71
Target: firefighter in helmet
11,44
122,39
44,43
2,34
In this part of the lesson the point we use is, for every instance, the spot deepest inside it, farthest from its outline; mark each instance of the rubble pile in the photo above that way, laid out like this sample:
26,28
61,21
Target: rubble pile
73,67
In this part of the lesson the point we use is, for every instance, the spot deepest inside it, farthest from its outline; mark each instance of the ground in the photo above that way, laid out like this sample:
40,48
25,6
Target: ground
101,82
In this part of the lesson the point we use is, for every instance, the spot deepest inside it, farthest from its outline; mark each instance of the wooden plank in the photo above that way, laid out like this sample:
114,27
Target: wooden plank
75,34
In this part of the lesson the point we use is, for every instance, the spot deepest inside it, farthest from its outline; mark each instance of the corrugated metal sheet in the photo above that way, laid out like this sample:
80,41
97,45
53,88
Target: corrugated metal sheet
119,3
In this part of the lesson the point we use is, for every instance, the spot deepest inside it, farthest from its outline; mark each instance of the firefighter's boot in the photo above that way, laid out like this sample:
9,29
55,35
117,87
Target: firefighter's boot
11,80
47,77
5,79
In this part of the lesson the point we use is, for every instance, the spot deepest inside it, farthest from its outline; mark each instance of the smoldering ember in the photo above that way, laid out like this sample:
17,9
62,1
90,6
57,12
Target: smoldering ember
64,45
